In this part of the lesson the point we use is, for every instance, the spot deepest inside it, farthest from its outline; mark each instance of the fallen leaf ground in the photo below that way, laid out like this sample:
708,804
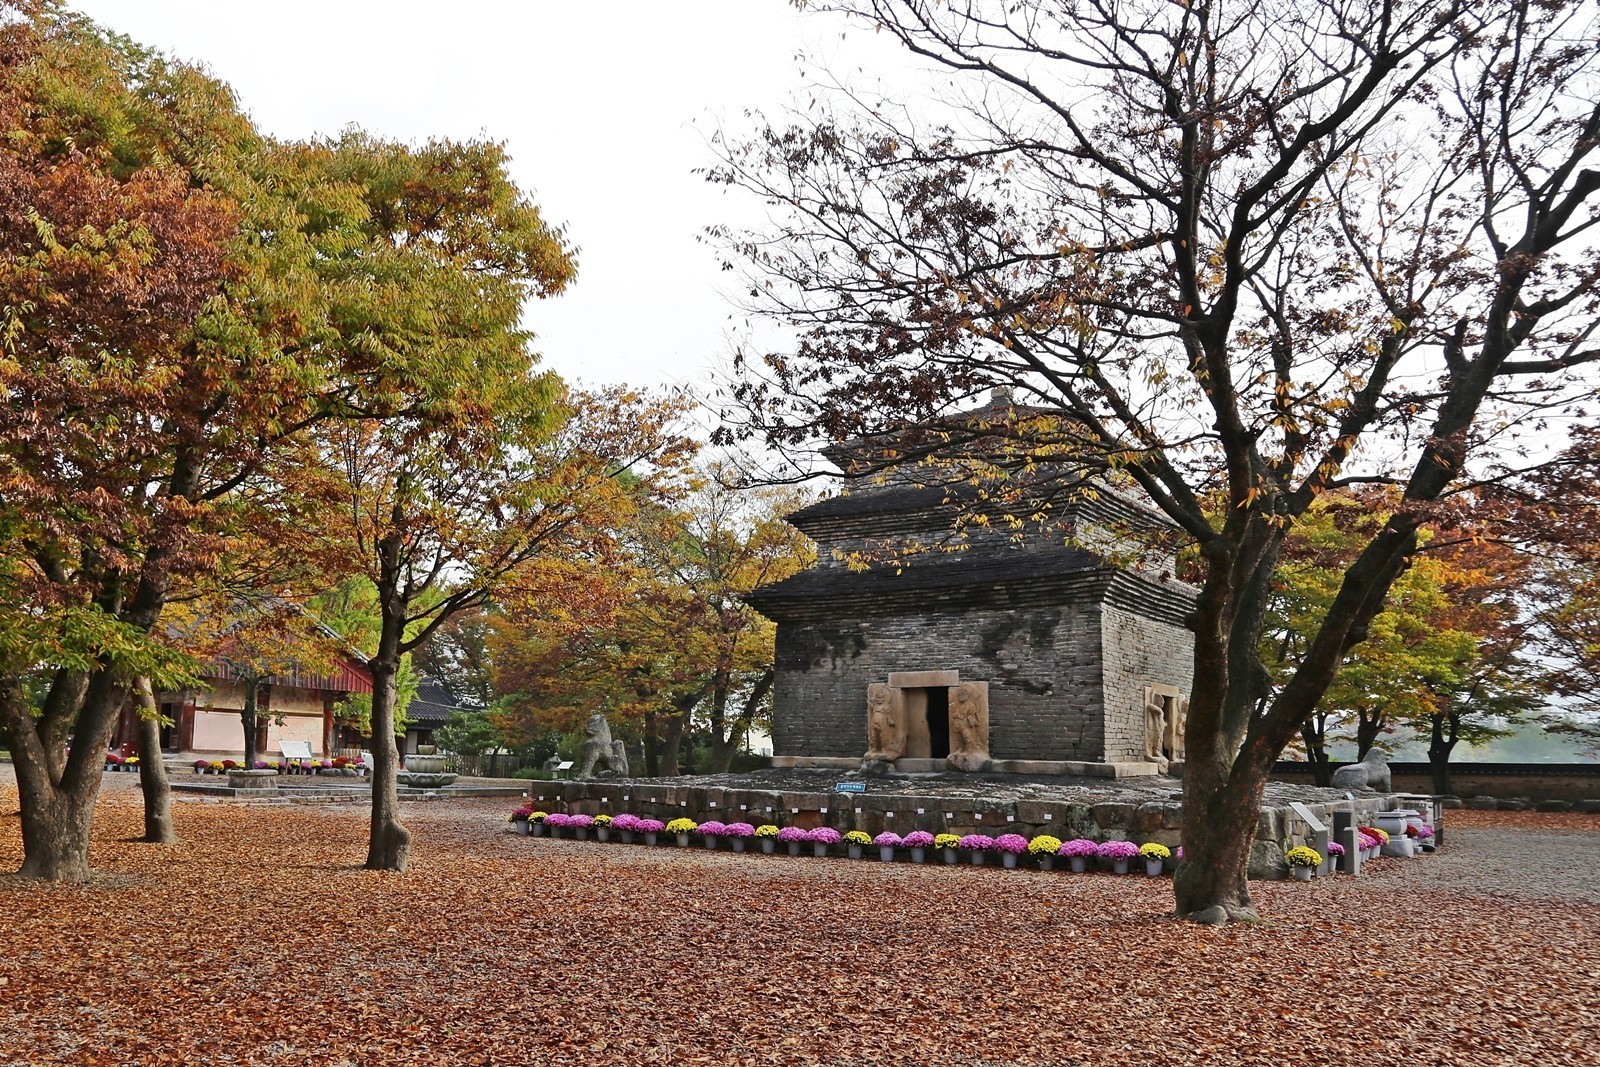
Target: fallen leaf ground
259,941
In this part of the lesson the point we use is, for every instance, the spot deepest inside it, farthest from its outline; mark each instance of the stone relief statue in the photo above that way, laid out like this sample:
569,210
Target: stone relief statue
969,726
1155,729
598,747
886,723
1177,722
1371,773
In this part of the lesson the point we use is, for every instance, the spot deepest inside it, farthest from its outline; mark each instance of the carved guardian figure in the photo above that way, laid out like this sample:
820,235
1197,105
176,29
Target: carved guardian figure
599,748
969,726
886,723
1155,729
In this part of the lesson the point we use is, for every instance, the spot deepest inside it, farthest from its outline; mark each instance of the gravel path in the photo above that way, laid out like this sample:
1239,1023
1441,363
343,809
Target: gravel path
1513,854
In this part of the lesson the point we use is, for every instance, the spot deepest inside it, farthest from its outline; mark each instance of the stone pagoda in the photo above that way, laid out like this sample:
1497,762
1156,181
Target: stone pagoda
1056,647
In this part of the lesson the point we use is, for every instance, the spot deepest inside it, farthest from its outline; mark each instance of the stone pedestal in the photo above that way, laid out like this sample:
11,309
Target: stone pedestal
255,781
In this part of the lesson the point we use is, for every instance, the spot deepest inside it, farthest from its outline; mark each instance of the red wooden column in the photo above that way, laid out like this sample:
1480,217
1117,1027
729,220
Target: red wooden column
327,725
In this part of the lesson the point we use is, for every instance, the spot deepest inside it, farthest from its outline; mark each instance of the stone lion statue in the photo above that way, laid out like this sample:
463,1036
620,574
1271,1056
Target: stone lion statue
598,747
1371,773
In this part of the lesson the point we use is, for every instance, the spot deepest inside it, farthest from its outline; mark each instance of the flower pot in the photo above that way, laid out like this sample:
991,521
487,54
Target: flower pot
1152,868
919,855
602,833
683,840
523,827
794,848
1046,863
950,855
627,836
1119,866
769,845
855,851
736,843
650,837
536,829
1303,873
580,833
819,849
977,858
886,853
710,841
1008,860
1079,864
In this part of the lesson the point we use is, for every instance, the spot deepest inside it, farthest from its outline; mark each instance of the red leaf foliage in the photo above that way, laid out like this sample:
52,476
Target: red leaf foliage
259,941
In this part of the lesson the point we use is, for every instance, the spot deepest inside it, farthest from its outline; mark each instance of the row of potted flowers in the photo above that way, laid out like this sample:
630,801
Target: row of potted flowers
1044,849
1305,861
341,764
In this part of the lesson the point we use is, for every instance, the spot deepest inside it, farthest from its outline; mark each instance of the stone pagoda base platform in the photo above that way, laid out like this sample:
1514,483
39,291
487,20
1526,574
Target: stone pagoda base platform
1140,809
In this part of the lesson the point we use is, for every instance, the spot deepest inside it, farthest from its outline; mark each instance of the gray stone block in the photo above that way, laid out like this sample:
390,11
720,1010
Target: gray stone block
1592,806
1482,804
1553,805
1266,860
1078,822
1113,815
1148,817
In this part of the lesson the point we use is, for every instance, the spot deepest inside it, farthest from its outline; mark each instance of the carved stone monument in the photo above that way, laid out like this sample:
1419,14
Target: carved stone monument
1177,722
969,726
886,723
1371,773
1155,732
599,748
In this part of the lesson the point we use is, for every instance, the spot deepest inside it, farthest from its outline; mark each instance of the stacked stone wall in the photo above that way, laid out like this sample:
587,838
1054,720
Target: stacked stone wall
1152,820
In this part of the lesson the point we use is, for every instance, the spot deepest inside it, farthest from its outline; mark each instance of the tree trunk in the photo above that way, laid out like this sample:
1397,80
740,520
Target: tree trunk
670,745
652,762
57,796
1221,811
152,771
722,750
252,686
389,843
721,754
1314,732
1439,749
1369,723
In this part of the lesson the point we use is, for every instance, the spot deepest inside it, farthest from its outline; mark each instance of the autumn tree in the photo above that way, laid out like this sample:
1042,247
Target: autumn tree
505,467
657,634
1258,251
118,370
185,301
1551,517
1444,660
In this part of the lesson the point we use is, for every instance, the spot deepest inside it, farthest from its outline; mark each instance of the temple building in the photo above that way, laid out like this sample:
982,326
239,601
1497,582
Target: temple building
295,704
1057,647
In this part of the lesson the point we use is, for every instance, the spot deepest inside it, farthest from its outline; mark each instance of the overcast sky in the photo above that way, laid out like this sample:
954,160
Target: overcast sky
605,107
